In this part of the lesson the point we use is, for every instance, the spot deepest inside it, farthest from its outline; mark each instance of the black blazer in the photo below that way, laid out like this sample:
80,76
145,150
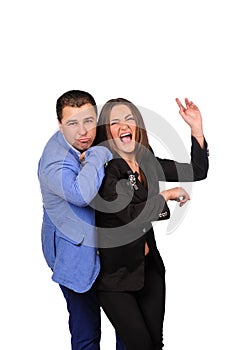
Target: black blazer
125,212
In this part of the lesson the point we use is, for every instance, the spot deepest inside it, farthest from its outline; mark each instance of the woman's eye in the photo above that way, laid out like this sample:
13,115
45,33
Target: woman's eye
130,119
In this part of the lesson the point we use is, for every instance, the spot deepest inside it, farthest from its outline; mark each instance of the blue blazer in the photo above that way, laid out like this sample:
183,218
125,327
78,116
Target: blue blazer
68,228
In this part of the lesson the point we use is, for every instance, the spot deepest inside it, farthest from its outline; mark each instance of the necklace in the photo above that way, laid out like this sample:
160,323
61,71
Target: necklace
134,167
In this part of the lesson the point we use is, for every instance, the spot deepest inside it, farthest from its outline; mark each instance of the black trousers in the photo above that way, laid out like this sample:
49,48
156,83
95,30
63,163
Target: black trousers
138,316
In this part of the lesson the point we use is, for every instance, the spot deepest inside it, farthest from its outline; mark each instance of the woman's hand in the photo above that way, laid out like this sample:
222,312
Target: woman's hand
192,116
176,194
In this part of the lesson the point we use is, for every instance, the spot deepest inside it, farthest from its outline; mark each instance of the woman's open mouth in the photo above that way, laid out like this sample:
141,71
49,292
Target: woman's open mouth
126,137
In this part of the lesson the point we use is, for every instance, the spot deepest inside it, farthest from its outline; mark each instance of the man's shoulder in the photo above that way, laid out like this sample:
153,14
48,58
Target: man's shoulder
55,139
56,149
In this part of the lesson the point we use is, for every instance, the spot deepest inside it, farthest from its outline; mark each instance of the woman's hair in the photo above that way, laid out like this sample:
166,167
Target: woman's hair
103,127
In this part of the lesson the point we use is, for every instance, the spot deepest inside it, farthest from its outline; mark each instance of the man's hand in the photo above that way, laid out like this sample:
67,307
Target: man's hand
82,157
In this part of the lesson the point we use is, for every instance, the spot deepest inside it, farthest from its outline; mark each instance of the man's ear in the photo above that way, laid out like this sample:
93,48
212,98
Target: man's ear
60,126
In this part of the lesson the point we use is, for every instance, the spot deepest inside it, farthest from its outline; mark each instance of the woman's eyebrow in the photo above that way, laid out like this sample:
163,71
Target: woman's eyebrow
126,116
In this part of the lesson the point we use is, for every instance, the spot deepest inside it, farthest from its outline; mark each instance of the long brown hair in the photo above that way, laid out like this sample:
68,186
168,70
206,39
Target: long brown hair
103,127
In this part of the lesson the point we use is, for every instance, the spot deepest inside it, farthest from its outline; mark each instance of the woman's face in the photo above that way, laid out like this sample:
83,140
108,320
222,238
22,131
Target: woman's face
123,129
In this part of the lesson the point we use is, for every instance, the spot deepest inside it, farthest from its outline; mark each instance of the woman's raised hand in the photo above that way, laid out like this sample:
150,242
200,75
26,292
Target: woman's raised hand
192,116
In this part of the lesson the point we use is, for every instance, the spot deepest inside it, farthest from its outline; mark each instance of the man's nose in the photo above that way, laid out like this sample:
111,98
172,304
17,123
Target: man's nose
82,130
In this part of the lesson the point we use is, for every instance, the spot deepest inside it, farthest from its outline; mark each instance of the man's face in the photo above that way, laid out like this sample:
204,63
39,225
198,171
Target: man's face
78,125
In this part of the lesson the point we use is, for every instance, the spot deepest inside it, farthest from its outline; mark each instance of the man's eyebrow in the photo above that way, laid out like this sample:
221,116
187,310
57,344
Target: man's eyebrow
90,117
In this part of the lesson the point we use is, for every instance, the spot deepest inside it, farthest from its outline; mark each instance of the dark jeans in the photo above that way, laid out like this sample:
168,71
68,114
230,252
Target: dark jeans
138,316
84,320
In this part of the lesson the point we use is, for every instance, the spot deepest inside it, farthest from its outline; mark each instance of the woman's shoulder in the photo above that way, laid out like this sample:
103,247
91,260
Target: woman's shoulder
117,162
117,166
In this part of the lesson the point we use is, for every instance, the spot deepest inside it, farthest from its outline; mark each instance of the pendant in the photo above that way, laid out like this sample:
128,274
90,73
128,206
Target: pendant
132,180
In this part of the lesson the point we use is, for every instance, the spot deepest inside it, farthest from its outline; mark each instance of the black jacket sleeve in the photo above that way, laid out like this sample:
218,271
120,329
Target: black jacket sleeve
197,169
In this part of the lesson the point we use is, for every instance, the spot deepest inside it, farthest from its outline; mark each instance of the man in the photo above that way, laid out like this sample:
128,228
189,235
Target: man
68,185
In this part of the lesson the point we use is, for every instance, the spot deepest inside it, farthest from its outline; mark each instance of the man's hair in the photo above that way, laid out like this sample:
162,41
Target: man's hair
73,98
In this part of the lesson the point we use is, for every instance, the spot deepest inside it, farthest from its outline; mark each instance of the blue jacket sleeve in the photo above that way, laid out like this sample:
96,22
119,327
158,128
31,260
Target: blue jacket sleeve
72,181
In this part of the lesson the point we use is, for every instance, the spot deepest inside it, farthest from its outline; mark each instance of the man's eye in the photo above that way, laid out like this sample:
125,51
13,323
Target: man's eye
72,123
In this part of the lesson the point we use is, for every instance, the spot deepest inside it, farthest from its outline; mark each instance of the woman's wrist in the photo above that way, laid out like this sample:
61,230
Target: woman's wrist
166,195
197,136
197,132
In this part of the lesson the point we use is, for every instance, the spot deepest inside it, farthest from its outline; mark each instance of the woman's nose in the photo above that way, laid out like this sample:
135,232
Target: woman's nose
123,125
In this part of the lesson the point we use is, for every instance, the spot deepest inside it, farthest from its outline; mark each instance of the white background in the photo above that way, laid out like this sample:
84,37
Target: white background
149,52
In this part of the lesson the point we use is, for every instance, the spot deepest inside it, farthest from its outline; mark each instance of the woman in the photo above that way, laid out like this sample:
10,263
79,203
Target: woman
131,284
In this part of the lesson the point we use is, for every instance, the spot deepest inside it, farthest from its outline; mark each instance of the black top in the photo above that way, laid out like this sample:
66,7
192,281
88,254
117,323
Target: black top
126,209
